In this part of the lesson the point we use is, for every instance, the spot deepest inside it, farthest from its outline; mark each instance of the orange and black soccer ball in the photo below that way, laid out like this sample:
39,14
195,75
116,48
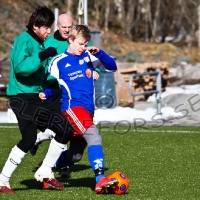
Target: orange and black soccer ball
123,184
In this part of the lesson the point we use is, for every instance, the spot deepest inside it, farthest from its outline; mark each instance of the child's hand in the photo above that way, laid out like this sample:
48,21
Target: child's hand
42,96
93,49
95,75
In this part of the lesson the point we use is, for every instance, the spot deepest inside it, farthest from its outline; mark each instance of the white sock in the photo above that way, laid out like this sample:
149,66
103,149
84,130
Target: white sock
46,135
54,152
14,159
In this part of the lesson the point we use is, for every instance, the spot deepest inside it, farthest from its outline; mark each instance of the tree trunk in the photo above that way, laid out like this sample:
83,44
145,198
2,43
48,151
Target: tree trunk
97,13
69,7
156,21
107,12
199,25
147,7
130,17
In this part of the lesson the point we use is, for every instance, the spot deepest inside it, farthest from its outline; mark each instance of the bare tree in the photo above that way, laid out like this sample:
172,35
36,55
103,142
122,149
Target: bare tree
156,21
199,25
97,6
107,12
69,7
129,17
127,12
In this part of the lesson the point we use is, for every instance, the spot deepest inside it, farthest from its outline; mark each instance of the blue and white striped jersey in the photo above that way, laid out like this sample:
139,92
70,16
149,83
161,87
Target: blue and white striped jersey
75,76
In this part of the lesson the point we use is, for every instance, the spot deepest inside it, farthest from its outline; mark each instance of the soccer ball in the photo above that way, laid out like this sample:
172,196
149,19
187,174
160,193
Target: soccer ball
123,184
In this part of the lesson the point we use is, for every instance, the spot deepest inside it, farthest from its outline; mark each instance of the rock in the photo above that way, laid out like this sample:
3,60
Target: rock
184,74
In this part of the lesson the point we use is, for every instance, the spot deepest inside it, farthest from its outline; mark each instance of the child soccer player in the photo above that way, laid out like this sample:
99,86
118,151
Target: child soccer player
74,73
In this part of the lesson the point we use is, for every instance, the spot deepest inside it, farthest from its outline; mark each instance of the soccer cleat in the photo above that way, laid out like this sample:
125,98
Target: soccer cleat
34,148
5,187
65,172
50,180
103,184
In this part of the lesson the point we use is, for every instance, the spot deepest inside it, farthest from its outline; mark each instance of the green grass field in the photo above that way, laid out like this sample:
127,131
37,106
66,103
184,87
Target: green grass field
161,163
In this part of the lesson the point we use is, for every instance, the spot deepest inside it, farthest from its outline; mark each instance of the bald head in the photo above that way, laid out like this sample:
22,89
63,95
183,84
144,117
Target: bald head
64,25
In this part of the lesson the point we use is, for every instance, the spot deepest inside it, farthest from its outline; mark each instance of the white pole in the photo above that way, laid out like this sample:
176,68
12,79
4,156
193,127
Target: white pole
80,10
85,12
199,25
56,13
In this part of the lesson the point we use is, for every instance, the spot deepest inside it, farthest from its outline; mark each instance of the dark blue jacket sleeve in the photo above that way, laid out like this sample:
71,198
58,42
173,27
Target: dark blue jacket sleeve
107,61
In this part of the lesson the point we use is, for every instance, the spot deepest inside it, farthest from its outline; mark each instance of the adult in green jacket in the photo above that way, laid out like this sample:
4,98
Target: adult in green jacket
59,39
60,36
28,67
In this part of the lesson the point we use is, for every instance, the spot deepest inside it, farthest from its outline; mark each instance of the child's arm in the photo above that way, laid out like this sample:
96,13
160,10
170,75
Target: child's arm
107,61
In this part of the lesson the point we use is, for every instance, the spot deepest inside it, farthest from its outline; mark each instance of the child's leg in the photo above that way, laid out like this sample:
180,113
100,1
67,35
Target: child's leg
96,158
95,151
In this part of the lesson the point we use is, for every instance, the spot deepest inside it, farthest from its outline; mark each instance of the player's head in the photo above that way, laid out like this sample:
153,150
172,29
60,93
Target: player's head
64,25
41,21
78,39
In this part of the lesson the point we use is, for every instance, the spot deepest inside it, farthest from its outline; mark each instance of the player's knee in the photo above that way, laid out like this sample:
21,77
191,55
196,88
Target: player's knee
76,158
96,140
92,136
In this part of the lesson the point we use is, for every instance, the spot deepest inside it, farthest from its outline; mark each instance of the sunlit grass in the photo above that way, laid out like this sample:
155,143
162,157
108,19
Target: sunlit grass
161,163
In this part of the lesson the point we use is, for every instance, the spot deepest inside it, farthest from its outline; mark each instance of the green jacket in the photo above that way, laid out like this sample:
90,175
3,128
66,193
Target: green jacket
58,42
27,72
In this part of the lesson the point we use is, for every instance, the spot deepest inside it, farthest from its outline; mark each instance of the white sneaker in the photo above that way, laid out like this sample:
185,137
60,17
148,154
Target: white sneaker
49,179
40,177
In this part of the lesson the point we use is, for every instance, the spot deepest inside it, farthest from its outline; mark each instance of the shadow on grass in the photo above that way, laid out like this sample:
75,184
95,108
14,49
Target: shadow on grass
80,182
79,167
75,168
30,184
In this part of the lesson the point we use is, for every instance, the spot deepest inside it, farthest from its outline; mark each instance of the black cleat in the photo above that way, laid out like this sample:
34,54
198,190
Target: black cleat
65,172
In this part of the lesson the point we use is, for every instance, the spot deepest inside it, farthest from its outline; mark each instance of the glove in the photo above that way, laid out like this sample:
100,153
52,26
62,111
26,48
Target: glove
49,52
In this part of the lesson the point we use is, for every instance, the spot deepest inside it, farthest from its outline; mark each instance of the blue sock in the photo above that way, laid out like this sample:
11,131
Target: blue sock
62,160
99,177
96,158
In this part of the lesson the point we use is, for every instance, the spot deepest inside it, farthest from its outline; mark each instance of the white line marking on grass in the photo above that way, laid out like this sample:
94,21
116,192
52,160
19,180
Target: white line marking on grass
168,131
9,127
138,130
151,131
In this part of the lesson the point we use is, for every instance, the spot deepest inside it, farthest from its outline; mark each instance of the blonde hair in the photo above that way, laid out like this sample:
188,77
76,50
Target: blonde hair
80,30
